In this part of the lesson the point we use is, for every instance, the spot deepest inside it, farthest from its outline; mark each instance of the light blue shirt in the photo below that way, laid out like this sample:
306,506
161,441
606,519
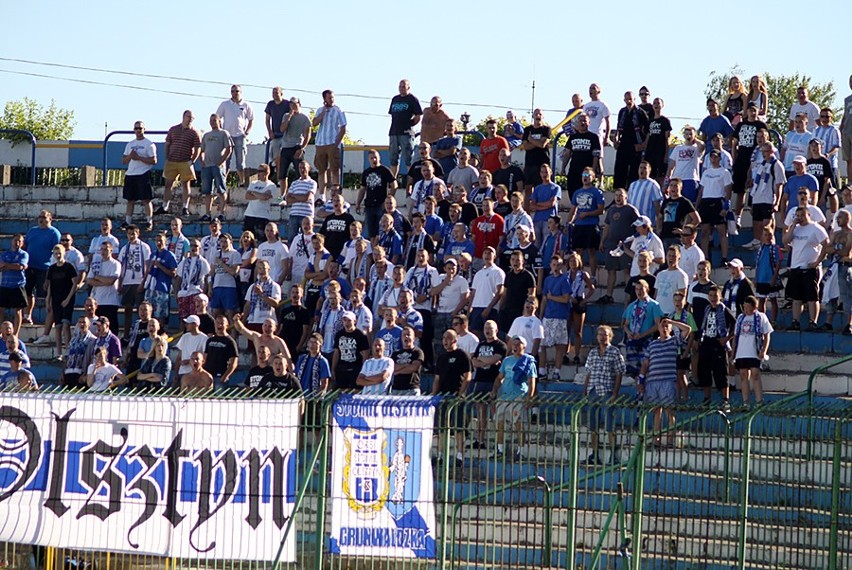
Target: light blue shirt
332,120
375,366
642,195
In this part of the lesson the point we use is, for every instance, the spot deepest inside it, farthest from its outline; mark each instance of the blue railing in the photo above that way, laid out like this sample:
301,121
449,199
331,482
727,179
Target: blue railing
109,136
34,144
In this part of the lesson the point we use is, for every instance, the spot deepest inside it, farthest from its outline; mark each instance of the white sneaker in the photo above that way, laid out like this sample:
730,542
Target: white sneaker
43,339
555,375
753,244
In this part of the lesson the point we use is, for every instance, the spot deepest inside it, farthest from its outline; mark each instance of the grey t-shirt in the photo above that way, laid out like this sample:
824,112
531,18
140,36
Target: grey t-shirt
295,129
213,143
620,221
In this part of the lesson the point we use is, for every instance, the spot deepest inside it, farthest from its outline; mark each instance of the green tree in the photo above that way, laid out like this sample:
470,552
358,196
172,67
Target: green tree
46,123
473,140
781,90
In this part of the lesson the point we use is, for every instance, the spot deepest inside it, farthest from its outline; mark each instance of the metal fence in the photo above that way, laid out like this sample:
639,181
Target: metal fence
576,483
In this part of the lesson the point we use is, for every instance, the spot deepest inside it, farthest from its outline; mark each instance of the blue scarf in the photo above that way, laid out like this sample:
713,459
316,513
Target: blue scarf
522,369
719,314
637,318
421,285
772,250
314,373
758,330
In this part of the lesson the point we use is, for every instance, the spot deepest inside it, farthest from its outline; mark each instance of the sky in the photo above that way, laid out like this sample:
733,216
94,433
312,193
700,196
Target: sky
480,57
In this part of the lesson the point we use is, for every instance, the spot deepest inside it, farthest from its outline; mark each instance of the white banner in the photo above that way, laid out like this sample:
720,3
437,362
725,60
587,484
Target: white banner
170,477
382,477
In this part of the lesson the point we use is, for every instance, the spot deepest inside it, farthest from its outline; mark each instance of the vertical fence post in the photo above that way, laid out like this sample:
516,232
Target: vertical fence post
573,468
639,490
744,484
444,474
322,483
34,143
834,523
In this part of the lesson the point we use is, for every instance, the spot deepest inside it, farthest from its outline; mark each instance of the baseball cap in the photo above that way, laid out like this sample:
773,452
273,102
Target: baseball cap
348,315
642,221
524,227
800,158
102,320
751,104
192,319
736,262
520,339
715,152
452,262
203,297
295,100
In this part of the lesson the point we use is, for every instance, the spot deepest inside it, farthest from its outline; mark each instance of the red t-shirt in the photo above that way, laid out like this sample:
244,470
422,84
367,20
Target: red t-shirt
489,152
486,231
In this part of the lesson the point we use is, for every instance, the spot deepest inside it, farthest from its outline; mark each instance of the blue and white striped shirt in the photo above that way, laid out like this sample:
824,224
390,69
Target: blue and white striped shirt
332,119
375,366
642,194
301,187
830,138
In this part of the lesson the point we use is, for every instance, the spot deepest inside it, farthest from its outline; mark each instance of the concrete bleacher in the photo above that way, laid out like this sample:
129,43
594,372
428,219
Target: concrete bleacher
689,523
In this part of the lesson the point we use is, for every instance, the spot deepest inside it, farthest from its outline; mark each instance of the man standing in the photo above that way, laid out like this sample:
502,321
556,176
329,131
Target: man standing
846,132
583,150
39,243
134,258
452,377
237,118
140,155
448,149
377,183
644,193
618,226
631,138
639,323
509,175
803,106
795,143
183,146
514,388
829,135
296,134
275,110
434,121
544,201
714,124
490,147
599,114
332,126
486,231
604,370
351,349
809,242
737,289
221,354
536,143
216,148
13,267
743,143
405,112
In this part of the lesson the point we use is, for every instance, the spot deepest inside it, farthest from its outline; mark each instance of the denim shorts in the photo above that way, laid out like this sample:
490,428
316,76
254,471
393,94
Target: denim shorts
212,177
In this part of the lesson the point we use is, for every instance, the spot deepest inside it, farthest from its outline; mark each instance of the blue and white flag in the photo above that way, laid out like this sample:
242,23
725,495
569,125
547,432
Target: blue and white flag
382,492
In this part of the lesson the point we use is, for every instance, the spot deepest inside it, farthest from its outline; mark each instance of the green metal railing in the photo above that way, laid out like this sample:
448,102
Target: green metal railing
770,475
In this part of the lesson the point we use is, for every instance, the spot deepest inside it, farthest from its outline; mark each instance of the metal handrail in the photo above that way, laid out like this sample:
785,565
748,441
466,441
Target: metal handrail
548,503
34,142
109,136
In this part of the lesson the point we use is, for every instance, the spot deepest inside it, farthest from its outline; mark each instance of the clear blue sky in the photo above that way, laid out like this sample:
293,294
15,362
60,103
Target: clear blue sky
468,52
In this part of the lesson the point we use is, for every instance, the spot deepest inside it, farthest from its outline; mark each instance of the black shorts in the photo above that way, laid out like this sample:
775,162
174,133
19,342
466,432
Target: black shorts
13,297
764,289
138,188
256,226
740,175
761,212
35,282
586,237
344,378
683,363
62,314
578,309
746,363
532,173
288,159
612,263
712,365
710,211
132,295
803,285
73,380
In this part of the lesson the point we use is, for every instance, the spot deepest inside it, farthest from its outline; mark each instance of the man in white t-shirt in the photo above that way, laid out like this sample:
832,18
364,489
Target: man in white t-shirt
769,178
598,113
529,327
105,235
300,196
140,156
803,106
809,242
191,341
670,281
103,279
259,196
714,202
376,372
486,292
685,161
690,254
648,241
276,253
467,340
451,296
803,196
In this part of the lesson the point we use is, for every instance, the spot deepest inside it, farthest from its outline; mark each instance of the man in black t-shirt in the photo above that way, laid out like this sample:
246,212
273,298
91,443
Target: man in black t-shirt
221,353
351,348
415,173
536,141
583,150
377,183
518,285
486,365
657,151
335,227
261,369
675,212
743,143
405,112
631,137
295,322
138,333
408,362
452,377
509,175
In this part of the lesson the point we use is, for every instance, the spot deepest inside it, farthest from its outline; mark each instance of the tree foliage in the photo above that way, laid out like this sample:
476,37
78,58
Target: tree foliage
473,140
781,91
46,123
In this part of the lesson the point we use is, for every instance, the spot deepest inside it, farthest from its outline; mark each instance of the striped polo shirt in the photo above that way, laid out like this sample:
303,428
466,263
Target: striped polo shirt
301,187
181,142
332,119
